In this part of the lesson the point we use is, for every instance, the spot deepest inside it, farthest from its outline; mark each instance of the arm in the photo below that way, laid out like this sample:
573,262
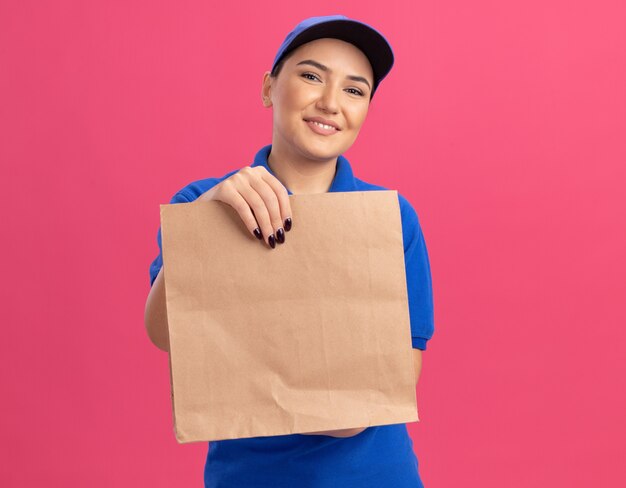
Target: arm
417,364
155,316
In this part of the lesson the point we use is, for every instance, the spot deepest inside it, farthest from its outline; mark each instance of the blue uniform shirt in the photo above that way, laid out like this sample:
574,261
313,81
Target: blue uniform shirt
380,456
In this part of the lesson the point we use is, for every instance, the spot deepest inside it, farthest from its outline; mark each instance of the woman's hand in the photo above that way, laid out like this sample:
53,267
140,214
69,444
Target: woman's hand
260,199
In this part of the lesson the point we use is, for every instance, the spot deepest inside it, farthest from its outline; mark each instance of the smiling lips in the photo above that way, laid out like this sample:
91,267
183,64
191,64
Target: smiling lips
322,126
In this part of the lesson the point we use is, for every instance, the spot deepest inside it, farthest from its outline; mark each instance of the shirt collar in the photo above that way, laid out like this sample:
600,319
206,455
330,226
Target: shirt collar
343,180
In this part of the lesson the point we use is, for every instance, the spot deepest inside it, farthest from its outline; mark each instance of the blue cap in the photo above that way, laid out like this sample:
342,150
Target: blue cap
365,37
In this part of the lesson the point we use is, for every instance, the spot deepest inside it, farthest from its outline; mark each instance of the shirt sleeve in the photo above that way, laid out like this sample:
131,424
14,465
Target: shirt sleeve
418,277
156,265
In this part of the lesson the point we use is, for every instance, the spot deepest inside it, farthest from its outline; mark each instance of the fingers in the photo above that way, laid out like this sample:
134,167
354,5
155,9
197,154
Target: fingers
242,207
284,205
275,200
261,201
258,203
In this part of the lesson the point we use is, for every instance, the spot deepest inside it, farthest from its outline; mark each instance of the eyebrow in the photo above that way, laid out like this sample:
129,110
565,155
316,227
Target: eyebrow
320,66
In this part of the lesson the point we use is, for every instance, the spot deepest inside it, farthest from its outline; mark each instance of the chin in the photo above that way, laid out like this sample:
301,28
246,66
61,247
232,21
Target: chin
324,150
322,155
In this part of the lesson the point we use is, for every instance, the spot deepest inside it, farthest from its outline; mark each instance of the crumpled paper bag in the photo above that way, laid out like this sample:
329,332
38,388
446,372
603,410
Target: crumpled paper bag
313,335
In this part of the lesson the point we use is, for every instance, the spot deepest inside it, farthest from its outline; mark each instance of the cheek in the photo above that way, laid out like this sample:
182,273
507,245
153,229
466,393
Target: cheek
357,117
284,108
288,108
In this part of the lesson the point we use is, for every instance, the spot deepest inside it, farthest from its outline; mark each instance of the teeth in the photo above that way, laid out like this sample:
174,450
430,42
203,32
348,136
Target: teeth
324,125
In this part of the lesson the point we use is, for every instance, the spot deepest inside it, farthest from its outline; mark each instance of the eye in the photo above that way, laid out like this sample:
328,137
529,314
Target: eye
355,91
310,76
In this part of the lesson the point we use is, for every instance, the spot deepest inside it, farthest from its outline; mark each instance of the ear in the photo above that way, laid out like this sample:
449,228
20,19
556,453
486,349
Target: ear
266,92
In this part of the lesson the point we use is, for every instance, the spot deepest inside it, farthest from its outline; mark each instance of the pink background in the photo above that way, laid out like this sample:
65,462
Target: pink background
504,124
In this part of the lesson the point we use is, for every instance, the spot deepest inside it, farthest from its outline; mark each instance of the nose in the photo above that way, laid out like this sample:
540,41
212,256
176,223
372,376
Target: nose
328,100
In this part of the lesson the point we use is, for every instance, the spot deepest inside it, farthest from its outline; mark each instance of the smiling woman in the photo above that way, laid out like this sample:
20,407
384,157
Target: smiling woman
319,90
320,100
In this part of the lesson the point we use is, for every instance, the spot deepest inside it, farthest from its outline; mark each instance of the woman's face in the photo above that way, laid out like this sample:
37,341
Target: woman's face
325,81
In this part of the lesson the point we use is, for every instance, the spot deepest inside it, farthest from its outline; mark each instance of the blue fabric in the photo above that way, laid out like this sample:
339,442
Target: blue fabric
380,456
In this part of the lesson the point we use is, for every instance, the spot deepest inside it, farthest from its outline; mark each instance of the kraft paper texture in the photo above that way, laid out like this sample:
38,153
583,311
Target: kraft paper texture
313,335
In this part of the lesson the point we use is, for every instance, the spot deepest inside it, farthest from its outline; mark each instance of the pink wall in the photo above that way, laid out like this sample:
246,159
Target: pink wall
504,123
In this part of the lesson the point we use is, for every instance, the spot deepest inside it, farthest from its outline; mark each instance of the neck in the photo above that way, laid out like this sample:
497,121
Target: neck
299,174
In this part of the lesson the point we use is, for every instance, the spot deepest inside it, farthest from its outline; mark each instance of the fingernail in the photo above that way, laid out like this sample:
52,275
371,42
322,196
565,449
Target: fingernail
280,235
257,233
288,224
271,241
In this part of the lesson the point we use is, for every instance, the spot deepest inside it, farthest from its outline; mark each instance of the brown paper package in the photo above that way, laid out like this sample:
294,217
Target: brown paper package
313,335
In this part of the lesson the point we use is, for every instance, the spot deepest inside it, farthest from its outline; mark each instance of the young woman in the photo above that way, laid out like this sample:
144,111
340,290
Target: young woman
321,84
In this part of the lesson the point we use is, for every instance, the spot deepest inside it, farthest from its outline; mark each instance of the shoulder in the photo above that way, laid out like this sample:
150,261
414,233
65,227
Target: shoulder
193,190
